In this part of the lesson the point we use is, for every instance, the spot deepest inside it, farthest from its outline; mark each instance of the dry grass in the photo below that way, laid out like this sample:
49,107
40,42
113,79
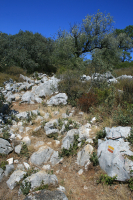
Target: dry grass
68,169
123,71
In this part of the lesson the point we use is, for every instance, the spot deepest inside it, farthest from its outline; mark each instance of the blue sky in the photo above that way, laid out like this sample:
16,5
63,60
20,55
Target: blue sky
48,16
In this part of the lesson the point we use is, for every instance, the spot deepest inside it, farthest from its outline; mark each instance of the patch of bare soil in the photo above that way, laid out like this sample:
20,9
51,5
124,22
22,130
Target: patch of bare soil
78,187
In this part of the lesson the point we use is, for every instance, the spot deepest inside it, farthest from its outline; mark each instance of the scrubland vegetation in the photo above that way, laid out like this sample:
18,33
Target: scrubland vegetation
64,55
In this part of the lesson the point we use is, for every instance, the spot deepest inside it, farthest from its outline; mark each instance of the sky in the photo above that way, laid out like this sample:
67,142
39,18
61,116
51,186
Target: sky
48,16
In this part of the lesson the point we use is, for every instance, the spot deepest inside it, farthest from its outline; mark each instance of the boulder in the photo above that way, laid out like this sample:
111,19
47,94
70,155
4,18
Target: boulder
5,146
117,132
84,132
125,77
25,78
84,155
60,98
69,138
27,97
47,195
41,156
55,158
22,115
15,178
112,155
50,127
9,169
37,178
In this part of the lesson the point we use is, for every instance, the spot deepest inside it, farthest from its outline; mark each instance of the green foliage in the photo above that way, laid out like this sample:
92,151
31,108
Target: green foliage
130,137
25,187
107,180
99,135
122,65
72,150
60,123
94,159
130,184
71,85
6,135
123,117
53,135
29,172
3,164
24,150
26,50
42,187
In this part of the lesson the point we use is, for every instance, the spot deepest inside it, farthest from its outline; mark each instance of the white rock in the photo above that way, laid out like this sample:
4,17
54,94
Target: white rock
80,171
61,188
10,161
15,178
27,166
46,167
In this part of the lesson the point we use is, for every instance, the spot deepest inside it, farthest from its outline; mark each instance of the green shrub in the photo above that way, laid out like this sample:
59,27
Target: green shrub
72,150
130,184
94,159
15,71
24,150
6,135
25,187
99,135
123,117
130,137
107,180
3,164
72,86
53,135
29,172
41,187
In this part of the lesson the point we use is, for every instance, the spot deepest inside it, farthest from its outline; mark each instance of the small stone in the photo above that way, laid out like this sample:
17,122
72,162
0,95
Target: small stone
85,187
18,148
61,188
27,166
10,161
16,161
80,171
46,167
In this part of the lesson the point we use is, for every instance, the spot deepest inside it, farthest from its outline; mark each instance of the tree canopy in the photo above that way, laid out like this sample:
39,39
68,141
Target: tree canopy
94,35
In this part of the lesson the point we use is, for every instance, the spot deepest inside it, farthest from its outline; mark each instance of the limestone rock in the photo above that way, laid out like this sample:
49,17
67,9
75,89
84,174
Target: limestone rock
111,157
69,138
15,178
47,195
37,178
41,156
5,146
84,155
60,98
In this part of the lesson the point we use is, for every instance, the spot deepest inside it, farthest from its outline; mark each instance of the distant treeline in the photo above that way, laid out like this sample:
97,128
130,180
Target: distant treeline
34,52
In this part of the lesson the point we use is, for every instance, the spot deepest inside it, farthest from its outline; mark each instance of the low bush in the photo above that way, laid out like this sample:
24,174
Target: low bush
24,150
94,159
86,101
130,137
25,187
123,117
72,150
130,184
99,135
15,71
3,164
107,180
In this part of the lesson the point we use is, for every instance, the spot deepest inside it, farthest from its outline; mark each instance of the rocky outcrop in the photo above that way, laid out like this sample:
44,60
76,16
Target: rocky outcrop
113,151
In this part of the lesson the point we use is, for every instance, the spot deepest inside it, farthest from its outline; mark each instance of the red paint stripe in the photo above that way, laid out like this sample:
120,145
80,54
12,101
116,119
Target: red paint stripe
110,150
